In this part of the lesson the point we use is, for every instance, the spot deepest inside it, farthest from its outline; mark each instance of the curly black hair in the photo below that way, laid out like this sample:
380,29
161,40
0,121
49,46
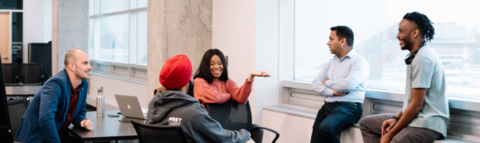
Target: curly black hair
424,24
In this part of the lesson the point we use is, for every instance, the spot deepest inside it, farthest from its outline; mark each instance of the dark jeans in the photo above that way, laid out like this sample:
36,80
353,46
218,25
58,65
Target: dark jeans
371,127
332,119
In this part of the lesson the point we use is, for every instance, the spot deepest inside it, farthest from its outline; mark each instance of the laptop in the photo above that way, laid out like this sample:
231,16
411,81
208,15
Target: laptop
129,106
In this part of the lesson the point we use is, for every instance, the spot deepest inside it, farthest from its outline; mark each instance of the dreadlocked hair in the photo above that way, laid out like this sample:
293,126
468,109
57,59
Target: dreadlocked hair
423,23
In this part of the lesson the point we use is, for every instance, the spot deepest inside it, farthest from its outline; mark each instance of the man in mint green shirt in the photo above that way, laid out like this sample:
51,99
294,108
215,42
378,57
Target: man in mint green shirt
425,113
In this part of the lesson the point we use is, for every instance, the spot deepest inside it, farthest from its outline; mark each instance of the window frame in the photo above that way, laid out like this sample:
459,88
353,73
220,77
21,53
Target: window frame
136,73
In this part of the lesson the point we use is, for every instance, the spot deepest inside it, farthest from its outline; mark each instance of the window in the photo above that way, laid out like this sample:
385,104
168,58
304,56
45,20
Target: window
118,31
118,38
375,25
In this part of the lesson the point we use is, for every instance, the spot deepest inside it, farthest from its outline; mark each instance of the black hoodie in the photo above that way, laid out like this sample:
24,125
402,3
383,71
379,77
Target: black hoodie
196,123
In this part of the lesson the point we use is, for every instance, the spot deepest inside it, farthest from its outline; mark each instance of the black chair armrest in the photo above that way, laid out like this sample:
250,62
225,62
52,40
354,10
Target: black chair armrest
42,79
277,135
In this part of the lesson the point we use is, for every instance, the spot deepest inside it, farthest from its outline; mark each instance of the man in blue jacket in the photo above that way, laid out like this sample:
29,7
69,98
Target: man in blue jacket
59,102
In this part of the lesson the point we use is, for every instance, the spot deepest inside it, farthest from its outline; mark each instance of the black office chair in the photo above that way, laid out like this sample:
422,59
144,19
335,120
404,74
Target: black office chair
159,133
10,72
234,116
32,73
16,109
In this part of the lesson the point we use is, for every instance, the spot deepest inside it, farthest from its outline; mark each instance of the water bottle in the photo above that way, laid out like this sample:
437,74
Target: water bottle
100,107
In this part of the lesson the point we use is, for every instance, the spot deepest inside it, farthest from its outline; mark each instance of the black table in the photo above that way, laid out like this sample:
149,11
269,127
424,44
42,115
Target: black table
106,128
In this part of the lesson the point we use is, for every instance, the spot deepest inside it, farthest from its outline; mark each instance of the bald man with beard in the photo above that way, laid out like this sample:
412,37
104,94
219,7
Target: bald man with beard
60,102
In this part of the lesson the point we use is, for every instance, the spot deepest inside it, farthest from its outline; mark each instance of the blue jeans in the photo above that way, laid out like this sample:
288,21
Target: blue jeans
332,119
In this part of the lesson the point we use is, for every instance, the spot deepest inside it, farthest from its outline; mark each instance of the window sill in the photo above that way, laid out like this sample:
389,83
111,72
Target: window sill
138,81
120,71
454,103
452,137
292,111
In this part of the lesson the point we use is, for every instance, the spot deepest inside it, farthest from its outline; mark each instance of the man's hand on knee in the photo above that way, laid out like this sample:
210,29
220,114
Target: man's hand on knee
388,125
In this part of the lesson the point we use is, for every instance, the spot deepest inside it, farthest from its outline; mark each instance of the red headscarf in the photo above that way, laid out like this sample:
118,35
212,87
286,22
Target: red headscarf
176,72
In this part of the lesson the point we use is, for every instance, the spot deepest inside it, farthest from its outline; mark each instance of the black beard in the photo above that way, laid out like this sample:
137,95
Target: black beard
407,46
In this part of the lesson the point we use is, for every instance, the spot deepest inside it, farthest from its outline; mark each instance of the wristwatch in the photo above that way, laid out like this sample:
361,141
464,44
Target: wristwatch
395,117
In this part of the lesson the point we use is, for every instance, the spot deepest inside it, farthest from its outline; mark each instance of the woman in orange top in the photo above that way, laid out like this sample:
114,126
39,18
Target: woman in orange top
212,84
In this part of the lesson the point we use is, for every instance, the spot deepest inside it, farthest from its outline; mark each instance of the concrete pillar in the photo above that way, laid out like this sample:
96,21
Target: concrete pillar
70,29
176,27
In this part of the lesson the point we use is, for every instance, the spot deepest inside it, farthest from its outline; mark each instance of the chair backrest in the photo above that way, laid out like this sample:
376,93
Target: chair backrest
32,73
16,109
10,72
159,133
231,115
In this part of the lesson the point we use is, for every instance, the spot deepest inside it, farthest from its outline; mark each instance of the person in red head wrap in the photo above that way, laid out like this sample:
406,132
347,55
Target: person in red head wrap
176,72
172,104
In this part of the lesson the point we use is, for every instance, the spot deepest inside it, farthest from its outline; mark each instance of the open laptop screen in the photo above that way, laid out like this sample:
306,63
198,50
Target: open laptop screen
129,106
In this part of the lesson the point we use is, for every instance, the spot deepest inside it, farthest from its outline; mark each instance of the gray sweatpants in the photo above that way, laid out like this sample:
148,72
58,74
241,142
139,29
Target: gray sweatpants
371,127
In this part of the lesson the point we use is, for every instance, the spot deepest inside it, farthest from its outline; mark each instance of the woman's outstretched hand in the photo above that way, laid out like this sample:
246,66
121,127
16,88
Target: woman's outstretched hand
257,73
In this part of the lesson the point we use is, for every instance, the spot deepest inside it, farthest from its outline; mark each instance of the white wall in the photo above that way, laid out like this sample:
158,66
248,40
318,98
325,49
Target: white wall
267,56
292,129
32,24
248,33
47,20
298,129
37,23
233,32
113,86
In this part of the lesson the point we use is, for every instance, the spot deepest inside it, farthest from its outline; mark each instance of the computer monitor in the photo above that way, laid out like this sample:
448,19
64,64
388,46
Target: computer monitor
5,125
41,53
